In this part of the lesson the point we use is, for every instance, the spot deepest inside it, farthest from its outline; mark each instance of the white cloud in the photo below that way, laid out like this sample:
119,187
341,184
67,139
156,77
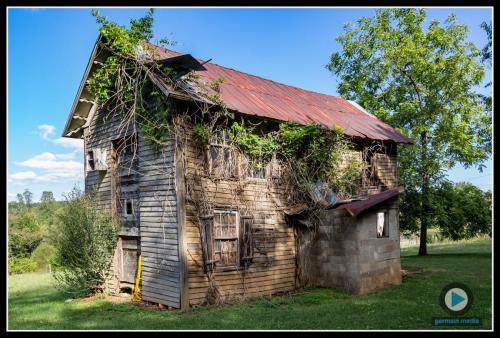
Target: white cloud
52,161
51,168
46,130
23,175
49,176
69,142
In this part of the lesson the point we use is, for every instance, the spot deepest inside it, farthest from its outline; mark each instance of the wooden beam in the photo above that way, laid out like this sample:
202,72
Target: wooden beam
181,216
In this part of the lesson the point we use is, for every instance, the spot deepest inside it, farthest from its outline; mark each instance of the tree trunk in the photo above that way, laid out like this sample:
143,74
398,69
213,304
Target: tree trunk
425,207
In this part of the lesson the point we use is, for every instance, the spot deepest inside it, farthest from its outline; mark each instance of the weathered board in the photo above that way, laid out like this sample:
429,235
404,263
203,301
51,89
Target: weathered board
159,225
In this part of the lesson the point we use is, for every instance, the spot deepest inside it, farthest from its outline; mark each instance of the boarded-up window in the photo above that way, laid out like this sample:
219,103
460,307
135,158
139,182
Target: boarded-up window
97,159
382,225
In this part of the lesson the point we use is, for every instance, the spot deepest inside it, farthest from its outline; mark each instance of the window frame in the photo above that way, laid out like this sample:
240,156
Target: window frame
237,239
90,160
220,141
385,229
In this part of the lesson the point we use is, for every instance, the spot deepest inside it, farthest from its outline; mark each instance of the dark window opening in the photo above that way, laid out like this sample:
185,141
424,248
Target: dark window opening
128,208
90,160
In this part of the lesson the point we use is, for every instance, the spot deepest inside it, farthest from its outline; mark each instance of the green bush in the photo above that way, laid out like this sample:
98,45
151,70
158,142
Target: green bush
85,244
44,255
25,234
21,265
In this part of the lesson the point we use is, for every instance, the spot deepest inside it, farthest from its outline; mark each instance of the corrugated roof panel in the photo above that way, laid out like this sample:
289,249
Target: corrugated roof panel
253,95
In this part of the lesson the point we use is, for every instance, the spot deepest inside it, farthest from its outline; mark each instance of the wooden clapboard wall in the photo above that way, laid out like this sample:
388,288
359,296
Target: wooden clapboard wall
161,267
99,135
157,209
273,267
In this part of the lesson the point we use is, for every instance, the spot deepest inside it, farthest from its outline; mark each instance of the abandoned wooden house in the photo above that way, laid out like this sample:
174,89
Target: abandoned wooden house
244,238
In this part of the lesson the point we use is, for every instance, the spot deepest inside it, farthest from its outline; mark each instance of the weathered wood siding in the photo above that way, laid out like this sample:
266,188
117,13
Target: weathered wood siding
99,135
386,167
273,267
161,268
158,224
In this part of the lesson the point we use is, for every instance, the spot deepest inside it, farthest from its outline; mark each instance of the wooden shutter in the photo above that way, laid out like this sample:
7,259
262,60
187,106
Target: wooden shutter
206,233
246,240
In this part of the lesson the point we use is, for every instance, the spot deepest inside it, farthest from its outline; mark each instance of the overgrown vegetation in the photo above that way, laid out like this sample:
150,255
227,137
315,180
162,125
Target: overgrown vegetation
85,240
30,225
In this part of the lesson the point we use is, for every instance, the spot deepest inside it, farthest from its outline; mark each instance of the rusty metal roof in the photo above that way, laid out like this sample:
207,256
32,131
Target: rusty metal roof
355,208
253,95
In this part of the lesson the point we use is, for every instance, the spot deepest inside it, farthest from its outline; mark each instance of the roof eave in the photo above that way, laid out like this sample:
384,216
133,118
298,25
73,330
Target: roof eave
76,101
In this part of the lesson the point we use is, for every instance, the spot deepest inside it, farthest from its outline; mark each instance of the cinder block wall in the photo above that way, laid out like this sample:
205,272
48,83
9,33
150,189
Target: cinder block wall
346,253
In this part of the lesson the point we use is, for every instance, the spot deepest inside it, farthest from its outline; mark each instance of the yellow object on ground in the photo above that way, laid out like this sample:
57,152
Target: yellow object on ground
136,294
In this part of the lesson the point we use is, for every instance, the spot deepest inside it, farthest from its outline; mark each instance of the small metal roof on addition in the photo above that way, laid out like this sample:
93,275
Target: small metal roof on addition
252,95
357,207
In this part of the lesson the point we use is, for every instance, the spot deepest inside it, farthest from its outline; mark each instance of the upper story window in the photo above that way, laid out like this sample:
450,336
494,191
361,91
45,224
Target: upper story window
222,157
96,159
90,160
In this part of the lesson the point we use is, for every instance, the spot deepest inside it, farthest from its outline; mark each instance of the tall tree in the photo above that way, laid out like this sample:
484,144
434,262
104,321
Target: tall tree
486,52
422,80
20,199
47,197
28,197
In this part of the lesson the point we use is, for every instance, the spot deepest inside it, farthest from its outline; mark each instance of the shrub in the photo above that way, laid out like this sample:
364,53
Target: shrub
21,265
85,244
25,234
43,255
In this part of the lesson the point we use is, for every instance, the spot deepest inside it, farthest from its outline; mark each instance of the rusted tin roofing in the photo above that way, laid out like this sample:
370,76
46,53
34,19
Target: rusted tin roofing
253,95
355,208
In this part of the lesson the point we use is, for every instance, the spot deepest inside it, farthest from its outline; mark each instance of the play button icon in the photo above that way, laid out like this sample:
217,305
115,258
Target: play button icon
456,298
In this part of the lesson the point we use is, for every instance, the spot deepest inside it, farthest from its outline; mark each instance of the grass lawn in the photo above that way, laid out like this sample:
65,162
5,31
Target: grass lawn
34,302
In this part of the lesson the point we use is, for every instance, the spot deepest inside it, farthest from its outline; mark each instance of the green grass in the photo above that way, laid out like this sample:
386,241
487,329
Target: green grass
34,302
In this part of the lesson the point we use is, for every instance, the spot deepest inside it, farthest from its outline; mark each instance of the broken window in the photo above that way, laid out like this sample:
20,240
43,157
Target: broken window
382,224
228,240
222,157
127,207
256,168
97,159
90,160
225,237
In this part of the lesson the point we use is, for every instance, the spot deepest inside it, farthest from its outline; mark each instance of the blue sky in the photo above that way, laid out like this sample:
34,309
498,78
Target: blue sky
48,49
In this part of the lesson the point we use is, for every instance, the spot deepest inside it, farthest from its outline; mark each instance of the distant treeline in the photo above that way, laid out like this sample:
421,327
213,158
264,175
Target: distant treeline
30,227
